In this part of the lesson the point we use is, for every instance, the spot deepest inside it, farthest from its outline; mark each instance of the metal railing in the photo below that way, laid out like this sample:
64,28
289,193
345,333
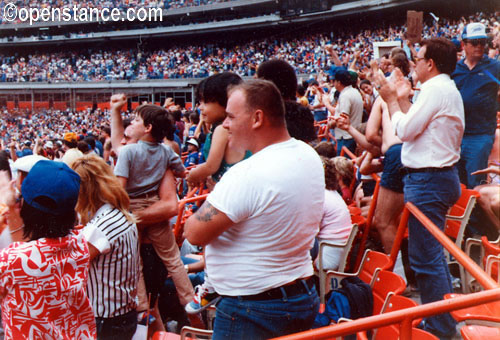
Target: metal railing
405,317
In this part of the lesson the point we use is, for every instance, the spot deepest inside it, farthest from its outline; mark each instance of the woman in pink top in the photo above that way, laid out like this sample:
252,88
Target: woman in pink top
336,222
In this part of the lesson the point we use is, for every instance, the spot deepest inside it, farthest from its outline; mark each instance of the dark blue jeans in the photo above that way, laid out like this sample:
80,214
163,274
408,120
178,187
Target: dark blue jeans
320,115
432,193
237,318
475,150
348,143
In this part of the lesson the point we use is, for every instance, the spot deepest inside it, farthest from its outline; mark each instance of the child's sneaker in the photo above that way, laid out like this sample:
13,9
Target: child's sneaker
202,299
145,318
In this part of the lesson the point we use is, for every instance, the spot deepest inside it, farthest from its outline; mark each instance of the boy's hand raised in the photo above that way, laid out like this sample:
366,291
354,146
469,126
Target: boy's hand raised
117,101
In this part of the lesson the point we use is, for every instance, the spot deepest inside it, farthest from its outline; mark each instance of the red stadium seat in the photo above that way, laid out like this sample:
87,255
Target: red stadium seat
384,284
475,332
456,221
487,314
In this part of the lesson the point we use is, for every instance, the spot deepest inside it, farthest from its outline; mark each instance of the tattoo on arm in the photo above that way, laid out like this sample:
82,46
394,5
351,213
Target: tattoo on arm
206,212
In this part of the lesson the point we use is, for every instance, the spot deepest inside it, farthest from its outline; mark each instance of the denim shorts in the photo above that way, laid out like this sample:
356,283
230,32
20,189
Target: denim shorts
392,176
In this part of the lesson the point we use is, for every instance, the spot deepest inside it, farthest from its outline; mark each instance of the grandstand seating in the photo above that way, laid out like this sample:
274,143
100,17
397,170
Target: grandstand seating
371,261
456,221
323,287
476,332
487,248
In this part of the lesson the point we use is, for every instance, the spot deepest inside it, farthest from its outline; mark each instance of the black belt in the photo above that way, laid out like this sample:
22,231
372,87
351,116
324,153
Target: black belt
411,170
299,286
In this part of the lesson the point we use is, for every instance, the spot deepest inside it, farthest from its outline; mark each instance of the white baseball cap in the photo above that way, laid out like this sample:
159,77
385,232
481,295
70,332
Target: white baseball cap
193,141
476,30
27,162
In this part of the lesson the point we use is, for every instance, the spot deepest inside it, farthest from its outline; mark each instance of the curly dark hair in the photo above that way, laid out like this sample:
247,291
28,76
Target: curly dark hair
331,182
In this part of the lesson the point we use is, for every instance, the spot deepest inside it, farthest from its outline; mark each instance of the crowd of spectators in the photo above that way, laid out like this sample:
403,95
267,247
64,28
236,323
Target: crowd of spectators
344,61
122,5
307,54
48,125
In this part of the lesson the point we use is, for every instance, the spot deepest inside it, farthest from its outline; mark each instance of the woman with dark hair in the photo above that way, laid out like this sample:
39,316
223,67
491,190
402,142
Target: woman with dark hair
42,280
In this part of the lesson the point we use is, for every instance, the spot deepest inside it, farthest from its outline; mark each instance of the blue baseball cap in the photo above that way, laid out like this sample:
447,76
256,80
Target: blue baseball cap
51,187
332,70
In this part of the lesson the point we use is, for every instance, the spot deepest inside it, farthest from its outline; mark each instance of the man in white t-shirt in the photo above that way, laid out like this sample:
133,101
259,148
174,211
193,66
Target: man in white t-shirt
259,222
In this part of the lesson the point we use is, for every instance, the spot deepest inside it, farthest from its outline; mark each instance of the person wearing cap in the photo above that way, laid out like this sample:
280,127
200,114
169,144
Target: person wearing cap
49,149
431,130
71,151
350,103
193,156
22,167
25,150
477,78
43,279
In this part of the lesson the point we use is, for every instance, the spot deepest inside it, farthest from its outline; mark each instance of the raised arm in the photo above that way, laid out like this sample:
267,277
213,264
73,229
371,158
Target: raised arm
117,101
344,123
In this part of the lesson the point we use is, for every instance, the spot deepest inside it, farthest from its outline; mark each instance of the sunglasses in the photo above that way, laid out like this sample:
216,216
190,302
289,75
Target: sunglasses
476,42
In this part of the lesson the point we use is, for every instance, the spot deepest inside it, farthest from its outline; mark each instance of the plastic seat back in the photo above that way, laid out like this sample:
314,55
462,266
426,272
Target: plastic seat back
488,312
374,260
324,284
166,336
459,213
392,332
398,302
476,332
384,284
456,221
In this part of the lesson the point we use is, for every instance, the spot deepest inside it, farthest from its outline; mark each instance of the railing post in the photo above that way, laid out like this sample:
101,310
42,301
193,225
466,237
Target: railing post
396,246
405,329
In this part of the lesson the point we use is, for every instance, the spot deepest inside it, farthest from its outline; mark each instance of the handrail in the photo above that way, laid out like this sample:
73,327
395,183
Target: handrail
371,211
486,281
399,316
180,210
406,316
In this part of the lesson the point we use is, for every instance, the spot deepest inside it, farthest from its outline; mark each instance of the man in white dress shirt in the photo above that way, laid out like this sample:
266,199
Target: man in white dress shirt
431,131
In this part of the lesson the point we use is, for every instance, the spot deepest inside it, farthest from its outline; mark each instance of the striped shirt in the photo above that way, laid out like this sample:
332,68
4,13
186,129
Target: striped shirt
114,273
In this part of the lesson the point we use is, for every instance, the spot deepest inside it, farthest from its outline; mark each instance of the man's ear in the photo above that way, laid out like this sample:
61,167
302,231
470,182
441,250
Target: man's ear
430,64
258,119
149,128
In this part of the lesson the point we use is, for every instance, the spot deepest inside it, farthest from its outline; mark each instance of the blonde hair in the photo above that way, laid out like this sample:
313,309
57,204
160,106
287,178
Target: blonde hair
99,186
344,168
